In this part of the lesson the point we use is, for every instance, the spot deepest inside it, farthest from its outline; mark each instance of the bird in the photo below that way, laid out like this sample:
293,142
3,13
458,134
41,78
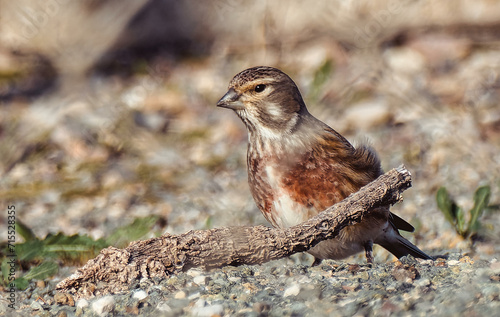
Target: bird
298,166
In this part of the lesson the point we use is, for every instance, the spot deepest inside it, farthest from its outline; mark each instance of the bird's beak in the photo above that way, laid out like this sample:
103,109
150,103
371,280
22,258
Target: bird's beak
231,100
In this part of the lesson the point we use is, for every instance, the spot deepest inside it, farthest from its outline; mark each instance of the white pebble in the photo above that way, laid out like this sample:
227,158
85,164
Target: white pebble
206,311
292,291
163,307
82,303
180,295
104,305
194,272
140,295
423,282
200,279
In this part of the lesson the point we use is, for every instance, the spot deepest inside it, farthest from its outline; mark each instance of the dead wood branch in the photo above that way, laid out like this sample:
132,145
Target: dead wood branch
114,270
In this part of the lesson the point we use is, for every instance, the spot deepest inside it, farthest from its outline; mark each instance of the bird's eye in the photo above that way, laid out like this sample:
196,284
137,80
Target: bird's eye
260,88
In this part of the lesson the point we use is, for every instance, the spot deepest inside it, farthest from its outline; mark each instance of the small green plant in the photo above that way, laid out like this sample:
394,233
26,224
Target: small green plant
40,257
456,215
321,76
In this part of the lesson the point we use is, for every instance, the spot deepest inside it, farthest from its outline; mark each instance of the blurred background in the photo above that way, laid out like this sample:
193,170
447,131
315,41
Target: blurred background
107,108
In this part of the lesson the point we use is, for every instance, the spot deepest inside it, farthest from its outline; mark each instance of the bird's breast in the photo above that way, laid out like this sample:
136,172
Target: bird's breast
291,190
286,208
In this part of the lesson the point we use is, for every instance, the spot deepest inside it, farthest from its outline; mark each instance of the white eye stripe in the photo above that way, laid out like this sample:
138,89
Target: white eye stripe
273,110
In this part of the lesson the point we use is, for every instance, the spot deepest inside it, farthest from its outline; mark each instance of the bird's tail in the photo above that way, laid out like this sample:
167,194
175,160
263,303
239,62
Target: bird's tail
393,242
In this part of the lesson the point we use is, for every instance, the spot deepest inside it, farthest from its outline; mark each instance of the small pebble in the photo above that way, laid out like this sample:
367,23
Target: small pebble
36,305
200,279
208,311
194,272
82,303
104,305
140,295
180,295
293,290
64,299
164,307
423,282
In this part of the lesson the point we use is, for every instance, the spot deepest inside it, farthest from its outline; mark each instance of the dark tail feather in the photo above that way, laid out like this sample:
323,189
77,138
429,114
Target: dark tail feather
393,242
400,223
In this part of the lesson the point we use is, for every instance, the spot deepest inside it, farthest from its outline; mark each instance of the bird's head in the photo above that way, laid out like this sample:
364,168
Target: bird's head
266,99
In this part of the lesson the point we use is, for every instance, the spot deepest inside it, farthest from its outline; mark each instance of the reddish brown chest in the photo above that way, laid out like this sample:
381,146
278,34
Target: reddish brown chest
291,189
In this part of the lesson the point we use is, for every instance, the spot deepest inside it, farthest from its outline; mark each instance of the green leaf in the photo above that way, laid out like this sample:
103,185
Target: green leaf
6,265
21,283
320,77
460,226
208,222
121,237
75,247
322,73
481,200
446,205
25,231
29,250
43,271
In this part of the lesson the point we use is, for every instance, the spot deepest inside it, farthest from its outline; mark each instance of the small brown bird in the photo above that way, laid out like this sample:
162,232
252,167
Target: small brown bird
298,166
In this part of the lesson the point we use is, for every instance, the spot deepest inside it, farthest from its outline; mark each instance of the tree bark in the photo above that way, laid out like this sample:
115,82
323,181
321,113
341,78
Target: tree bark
114,270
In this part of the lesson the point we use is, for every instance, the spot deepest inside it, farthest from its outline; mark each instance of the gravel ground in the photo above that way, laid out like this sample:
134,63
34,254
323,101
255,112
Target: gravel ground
453,287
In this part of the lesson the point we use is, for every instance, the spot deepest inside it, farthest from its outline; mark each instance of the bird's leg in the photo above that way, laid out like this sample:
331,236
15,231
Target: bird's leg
369,251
